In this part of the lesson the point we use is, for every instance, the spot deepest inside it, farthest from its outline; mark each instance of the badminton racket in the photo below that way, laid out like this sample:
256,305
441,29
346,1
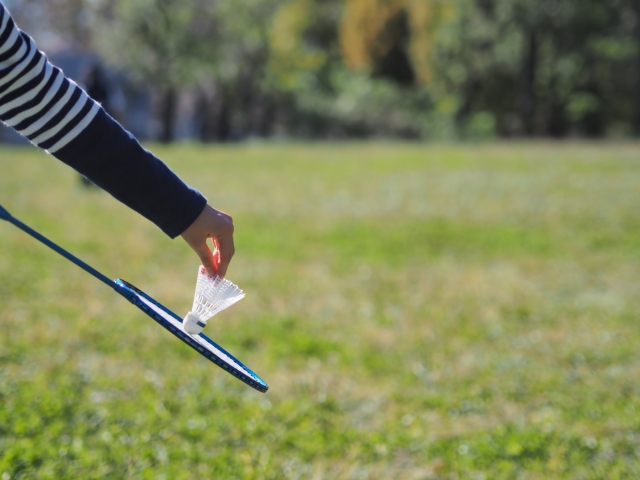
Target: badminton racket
161,314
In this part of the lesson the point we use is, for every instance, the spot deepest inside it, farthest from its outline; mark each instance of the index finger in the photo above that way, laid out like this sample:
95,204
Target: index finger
225,250
209,259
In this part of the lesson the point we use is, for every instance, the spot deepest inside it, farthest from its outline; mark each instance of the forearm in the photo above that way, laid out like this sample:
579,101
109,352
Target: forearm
113,159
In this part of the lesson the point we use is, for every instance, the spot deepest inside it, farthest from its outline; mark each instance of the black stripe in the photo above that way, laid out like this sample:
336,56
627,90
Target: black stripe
27,122
14,48
27,87
57,118
34,101
30,66
7,29
5,72
69,126
3,12
24,69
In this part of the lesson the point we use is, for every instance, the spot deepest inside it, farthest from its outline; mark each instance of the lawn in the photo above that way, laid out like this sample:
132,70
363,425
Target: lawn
419,312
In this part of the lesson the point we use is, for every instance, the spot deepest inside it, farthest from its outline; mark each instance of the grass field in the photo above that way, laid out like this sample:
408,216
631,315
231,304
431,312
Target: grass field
420,312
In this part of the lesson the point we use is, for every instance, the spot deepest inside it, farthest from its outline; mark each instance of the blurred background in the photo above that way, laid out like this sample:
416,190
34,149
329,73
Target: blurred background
228,70
437,218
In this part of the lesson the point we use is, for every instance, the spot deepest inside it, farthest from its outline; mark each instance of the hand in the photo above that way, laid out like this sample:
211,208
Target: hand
218,226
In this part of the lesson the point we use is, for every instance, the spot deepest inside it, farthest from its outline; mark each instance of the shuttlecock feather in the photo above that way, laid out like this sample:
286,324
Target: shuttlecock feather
213,294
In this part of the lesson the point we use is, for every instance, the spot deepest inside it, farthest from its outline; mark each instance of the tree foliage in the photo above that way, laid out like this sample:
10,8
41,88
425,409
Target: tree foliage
218,48
551,67
411,68
393,38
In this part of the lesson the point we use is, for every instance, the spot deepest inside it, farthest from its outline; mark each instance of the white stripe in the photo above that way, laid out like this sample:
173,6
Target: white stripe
21,67
18,70
53,111
32,111
31,94
11,40
77,129
21,74
82,101
27,76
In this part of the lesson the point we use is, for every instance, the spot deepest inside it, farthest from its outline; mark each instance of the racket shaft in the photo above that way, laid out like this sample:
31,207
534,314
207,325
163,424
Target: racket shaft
4,215
129,292
72,258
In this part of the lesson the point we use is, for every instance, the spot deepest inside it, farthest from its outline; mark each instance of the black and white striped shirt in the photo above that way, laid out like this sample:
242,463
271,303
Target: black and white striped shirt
38,101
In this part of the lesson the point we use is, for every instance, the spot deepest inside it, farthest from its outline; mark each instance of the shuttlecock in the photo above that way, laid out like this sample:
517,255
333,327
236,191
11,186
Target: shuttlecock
213,294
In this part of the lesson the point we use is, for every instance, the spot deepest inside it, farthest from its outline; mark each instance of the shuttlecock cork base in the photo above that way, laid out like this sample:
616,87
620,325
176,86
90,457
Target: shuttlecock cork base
213,294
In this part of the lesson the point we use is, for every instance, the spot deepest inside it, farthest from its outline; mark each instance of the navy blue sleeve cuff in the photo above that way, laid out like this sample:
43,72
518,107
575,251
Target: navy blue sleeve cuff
114,160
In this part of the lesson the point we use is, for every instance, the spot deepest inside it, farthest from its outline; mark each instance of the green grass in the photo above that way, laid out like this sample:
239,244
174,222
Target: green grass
420,312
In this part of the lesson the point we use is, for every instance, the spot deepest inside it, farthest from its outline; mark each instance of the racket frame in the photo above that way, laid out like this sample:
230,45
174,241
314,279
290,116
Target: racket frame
132,294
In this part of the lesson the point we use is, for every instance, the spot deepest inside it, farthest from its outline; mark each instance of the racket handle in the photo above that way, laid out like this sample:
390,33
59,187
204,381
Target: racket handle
4,215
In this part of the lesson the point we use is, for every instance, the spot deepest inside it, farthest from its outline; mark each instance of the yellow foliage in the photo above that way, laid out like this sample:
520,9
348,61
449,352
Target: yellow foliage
363,37
289,59
288,24
361,28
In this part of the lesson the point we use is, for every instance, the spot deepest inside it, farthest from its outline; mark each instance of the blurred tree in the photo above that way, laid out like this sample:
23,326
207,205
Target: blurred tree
377,93
240,74
392,38
634,8
538,66
56,24
165,43
405,68
217,47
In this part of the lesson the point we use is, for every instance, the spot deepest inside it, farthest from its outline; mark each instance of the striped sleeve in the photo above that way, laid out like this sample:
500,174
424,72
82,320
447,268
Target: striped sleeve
36,99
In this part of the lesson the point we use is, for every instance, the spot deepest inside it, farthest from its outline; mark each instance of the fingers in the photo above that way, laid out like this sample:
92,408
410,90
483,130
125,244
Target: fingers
207,257
225,249
219,227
